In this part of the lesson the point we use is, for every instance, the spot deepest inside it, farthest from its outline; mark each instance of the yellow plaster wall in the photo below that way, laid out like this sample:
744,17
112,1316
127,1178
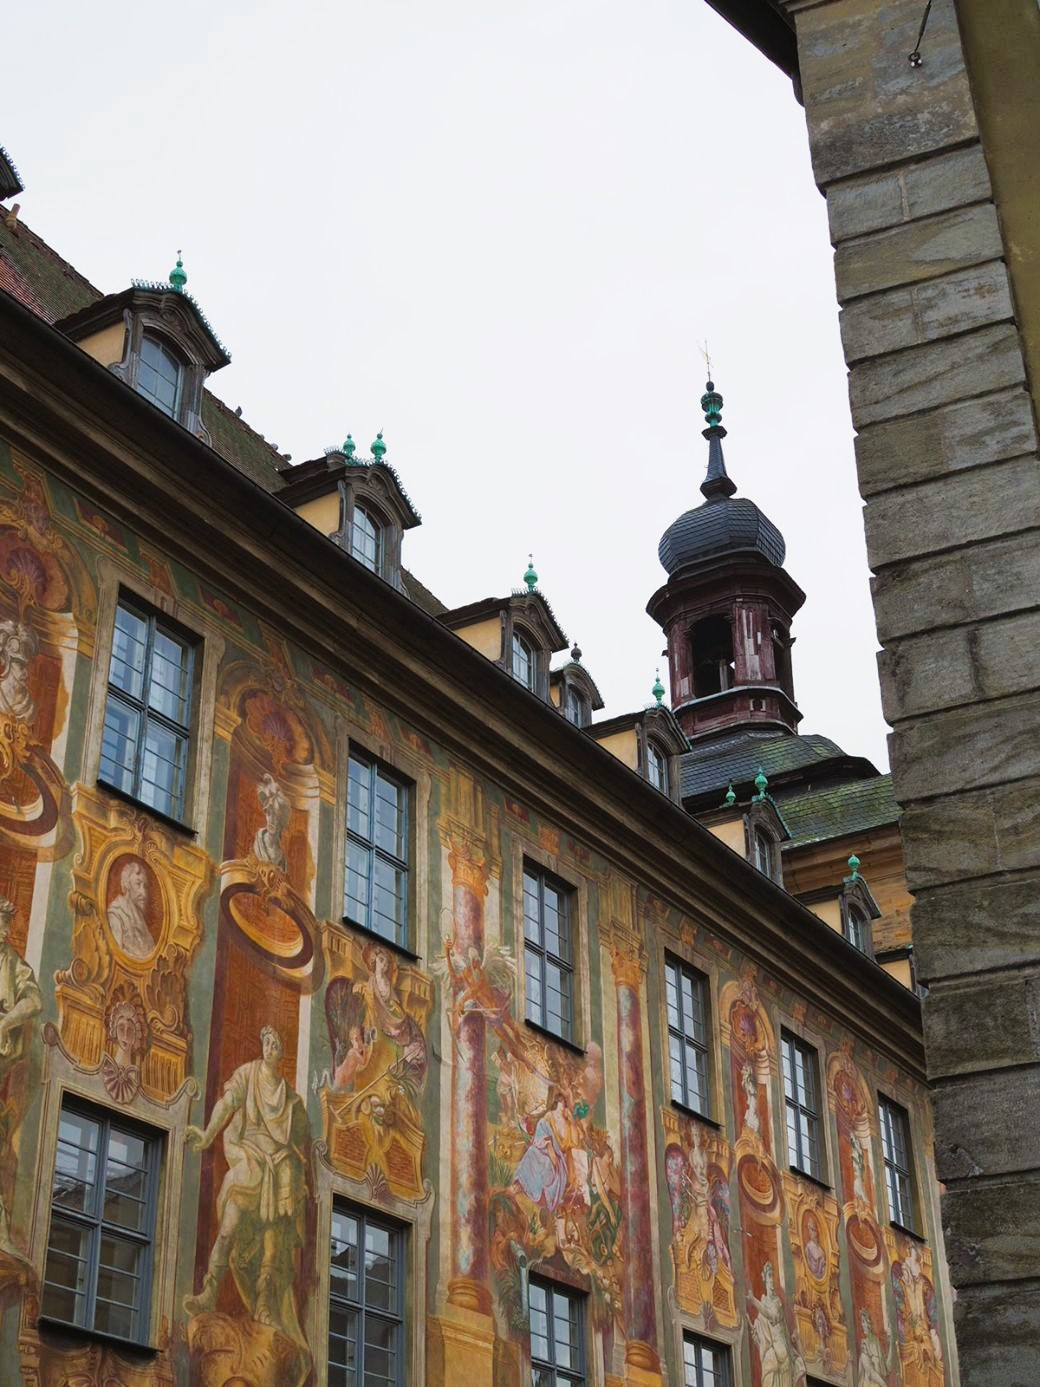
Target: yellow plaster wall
485,636
899,968
322,512
106,346
554,694
829,912
731,831
624,746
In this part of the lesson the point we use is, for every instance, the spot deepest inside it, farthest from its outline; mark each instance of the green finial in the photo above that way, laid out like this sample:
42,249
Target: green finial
761,783
731,795
378,447
711,403
349,447
854,867
658,689
531,577
178,277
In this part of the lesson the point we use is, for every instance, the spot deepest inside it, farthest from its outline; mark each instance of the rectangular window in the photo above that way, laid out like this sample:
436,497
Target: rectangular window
801,1095
704,1364
366,1301
557,1336
895,1148
686,1000
548,953
103,1198
146,741
376,885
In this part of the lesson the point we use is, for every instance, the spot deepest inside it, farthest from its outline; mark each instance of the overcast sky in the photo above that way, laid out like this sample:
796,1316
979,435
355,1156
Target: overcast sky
498,232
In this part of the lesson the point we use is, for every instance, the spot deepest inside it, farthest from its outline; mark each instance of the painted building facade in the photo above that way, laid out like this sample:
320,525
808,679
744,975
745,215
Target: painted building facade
359,1013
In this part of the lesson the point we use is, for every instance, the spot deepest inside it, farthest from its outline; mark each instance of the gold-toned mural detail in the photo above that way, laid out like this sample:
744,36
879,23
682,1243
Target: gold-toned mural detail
813,1220
377,1008
777,1359
917,1313
261,1208
122,1001
697,1162
20,1004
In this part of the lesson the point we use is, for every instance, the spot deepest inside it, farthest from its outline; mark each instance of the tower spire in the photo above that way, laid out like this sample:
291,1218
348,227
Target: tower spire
716,485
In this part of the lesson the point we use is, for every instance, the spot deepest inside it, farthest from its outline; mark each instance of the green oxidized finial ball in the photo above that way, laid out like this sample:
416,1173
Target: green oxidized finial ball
531,577
178,275
854,866
711,403
658,689
378,447
761,783
731,795
349,447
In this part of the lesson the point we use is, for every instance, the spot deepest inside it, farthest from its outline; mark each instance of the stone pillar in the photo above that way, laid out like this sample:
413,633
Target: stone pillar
927,177
628,959
470,1269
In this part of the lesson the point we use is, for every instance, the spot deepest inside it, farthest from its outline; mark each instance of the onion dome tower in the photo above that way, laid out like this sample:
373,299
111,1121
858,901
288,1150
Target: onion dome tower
727,606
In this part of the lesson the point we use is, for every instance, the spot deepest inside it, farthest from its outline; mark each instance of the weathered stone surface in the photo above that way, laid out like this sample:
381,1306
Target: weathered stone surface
944,668
960,509
993,1231
864,104
960,930
996,1334
910,316
986,1125
936,374
975,833
860,205
917,251
985,1023
967,748
965,434
969,585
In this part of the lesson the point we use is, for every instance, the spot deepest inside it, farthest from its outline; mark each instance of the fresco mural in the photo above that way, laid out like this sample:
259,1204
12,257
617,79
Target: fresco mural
192,980
376,1008
697,1163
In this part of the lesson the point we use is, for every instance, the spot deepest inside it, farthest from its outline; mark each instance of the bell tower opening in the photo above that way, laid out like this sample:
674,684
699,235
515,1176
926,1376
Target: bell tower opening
711,648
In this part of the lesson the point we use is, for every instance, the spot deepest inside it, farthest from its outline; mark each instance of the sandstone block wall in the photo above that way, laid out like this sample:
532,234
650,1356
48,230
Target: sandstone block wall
933,298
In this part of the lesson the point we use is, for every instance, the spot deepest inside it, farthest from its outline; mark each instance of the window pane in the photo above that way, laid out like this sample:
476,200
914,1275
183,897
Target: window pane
380,1271
343,1326
168,690
119,744
76,1162
129,647
118,1286
344,1255
162,769
532,910
534,986
381,1350
359,795
391,824
388,900
158,375
365,537
66,1272
523,662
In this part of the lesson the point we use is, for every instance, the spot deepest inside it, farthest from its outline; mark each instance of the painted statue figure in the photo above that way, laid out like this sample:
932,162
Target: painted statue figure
780,1362
18,648
871,1367
749,1084
859,1169
918,1319
20,1001
126,912
267,844
262,1198
815,1256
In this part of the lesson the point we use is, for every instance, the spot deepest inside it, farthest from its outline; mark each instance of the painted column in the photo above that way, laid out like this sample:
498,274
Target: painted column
628,958
468,1287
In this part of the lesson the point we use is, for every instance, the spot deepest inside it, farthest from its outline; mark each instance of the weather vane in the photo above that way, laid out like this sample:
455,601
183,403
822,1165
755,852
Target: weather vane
707,359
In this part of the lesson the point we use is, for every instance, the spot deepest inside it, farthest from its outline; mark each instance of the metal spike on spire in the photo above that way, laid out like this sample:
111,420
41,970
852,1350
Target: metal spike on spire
531,577
717,485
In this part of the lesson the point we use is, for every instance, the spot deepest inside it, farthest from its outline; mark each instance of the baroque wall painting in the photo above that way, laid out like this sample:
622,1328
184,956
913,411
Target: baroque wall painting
921,1357
697,1161
813,1221
377,1009
776,1358
853,1106
122,1001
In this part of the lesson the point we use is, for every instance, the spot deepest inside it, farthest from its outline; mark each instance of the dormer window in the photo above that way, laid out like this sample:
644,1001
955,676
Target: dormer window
857,927
366,539
656,768
576,707
159,376
762,851
523,661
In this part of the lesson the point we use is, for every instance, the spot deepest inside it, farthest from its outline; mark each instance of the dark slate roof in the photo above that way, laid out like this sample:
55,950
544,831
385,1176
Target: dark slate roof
839,810
38,277
421,595
737,758
10,179
720,526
